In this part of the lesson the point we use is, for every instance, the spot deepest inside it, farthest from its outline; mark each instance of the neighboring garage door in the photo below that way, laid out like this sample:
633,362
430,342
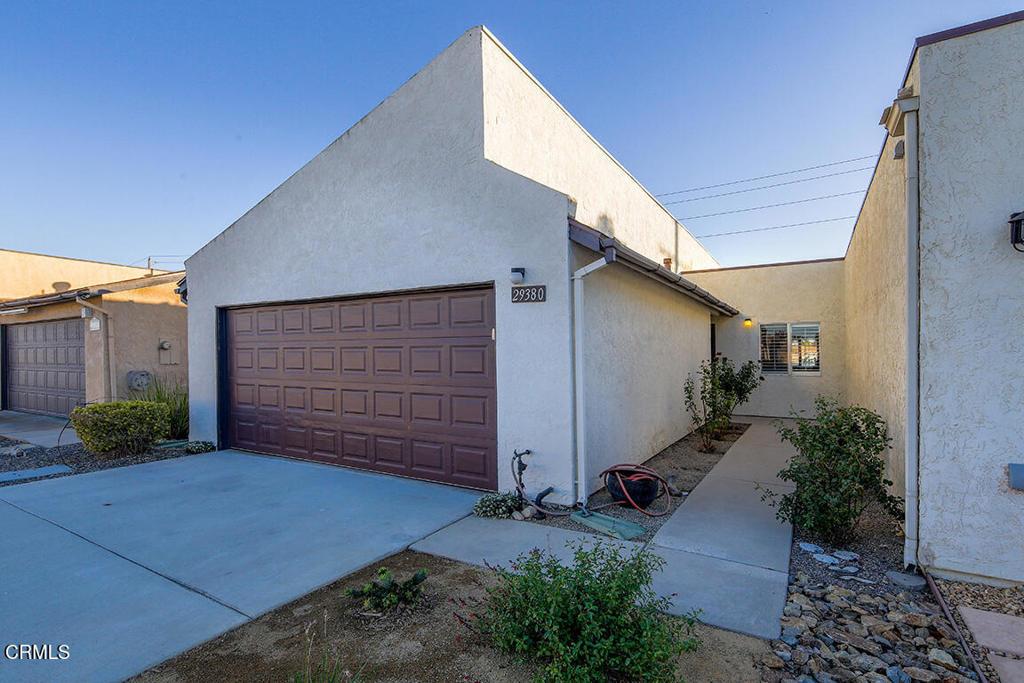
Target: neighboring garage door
397,384
45,366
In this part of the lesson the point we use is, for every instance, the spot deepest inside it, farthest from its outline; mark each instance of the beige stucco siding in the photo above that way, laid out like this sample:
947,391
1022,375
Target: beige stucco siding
23,274
876,294
641,341
972,303
527,131
406,200
142,319
794,293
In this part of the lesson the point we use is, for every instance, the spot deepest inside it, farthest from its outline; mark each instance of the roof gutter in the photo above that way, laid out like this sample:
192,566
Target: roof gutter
598,242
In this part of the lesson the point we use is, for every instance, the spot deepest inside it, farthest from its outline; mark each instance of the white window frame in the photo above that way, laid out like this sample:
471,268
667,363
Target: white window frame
789,371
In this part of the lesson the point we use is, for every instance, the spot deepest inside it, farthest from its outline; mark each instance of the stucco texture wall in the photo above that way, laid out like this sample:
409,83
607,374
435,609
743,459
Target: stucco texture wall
403,200
25,274
972,304
794,293
529,132
142,319
876,294
641,341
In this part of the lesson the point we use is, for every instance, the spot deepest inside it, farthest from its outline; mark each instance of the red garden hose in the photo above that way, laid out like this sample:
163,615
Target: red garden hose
626,472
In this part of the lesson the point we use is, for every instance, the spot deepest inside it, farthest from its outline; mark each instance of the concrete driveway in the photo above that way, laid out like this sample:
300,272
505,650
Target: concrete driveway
130,566
41,430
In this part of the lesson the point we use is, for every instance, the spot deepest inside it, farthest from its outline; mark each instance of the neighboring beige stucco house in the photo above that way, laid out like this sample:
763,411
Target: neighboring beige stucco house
922,319
66,343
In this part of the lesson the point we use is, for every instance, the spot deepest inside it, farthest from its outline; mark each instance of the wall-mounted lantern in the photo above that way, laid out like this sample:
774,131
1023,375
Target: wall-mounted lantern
747,323
1017,230
517,276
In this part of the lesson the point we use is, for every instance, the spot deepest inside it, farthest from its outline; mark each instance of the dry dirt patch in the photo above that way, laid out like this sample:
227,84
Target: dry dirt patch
425,643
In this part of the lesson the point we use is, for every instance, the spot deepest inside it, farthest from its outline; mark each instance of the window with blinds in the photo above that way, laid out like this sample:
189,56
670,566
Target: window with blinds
774,343
804,341
791,347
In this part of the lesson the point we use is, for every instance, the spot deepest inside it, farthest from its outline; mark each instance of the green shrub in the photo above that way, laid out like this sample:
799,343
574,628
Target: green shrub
384,593
594,620
837,470
194,447
175,397
122,427
497,505
738,384
722,388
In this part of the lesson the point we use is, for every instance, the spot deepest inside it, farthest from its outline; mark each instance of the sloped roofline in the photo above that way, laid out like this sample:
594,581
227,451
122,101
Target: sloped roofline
94,290
81,260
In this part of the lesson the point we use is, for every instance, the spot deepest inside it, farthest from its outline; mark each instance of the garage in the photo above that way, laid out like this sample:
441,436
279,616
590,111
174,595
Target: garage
45,367
402,383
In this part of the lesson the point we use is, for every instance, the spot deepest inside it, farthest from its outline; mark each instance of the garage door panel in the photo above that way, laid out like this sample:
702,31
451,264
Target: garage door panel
46,372
399,384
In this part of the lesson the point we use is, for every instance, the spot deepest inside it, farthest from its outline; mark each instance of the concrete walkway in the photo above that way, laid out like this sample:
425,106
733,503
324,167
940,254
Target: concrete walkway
133,565
725,553
41,430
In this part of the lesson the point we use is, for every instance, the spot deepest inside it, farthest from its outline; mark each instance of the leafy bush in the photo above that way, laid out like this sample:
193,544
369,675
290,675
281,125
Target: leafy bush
838,470
175,397
738,384
595,620
722,388
122,427
194,447
497,505
384,593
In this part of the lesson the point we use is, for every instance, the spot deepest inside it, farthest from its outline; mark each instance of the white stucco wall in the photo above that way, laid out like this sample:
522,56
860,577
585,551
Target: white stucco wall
529,132
405,199
876,294
972,302
787,293
641,341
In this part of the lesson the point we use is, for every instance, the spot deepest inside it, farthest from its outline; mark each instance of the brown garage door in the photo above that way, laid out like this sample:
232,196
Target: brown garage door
397,384
46,366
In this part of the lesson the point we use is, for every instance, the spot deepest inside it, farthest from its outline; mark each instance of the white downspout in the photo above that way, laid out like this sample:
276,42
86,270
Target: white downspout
579,386
913,319
108,342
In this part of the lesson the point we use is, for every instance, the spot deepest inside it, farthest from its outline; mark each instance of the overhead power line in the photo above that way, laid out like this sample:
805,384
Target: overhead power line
765,187
775,227
771,206
764,177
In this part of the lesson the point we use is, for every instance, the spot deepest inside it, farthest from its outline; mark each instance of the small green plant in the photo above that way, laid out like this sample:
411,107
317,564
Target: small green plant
328,668
194,447
175,397
722,388
385,593
594,620
738,384
838,470
497,504
122,427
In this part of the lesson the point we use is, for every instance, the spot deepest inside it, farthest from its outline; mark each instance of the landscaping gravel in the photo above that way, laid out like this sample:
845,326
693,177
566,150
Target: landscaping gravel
832,633
682,464
878,546
76,457
980,596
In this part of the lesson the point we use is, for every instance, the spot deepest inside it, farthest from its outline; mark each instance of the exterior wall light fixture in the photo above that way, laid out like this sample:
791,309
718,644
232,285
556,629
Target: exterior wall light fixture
748,323
1017,230
517,276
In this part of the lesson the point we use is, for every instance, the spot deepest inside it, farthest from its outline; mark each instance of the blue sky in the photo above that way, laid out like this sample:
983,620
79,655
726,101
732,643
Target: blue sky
134,129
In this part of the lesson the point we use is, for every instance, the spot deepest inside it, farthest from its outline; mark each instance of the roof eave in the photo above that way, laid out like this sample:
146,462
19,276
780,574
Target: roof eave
597,241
